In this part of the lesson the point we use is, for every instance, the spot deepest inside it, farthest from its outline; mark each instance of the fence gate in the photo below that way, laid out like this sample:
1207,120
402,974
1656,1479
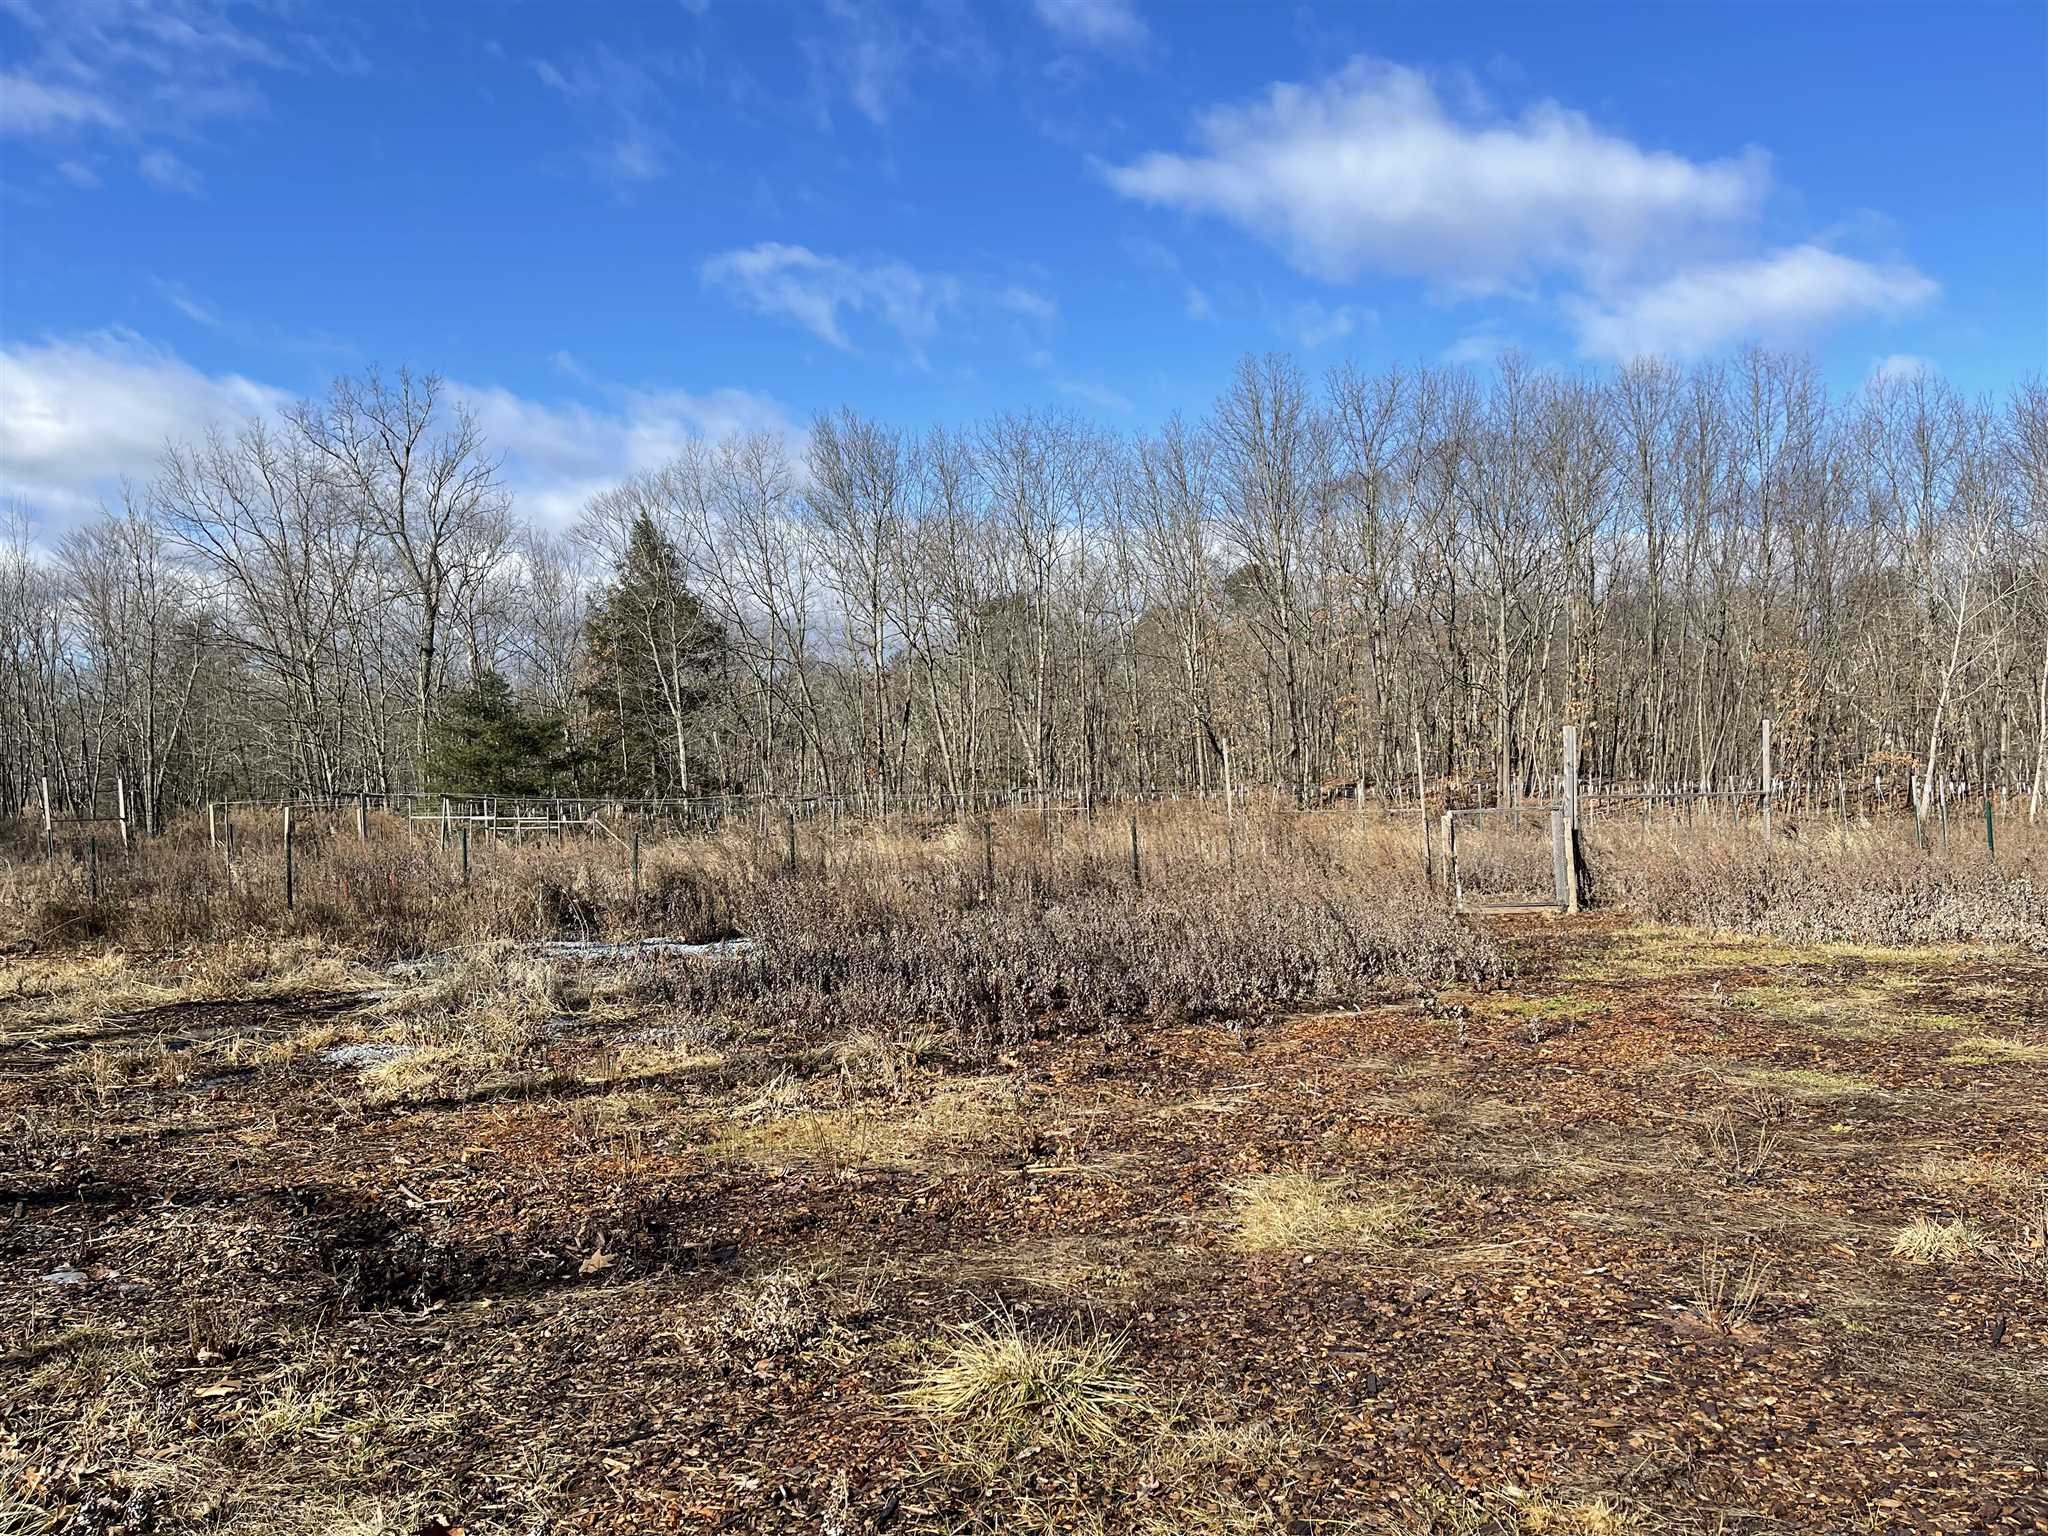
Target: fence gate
1561,871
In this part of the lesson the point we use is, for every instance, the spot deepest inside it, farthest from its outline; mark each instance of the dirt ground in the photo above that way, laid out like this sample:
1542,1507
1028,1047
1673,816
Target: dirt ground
1669,1233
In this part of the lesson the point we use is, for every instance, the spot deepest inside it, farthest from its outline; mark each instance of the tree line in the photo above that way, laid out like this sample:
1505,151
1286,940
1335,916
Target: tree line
1314,582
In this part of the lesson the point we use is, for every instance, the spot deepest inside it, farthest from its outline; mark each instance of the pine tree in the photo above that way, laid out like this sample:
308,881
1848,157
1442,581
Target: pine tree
653,653
486,742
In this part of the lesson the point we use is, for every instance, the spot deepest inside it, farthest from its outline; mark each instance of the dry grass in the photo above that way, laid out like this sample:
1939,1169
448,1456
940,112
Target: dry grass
1743,1148
1301,1213
1926,1240
1728,1294
1510,1511
996,1388
1878,891
1996,1050
1804,1082
972,1123
1971,1173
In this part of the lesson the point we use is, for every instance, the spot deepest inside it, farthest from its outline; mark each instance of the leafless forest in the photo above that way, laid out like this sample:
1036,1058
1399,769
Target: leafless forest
1298,585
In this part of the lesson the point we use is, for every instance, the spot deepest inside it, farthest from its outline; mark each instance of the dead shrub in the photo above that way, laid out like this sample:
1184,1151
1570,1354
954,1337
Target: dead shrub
764,1319
1890,897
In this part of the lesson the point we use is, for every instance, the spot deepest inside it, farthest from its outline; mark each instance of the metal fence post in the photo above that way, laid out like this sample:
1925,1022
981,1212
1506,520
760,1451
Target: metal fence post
1571,819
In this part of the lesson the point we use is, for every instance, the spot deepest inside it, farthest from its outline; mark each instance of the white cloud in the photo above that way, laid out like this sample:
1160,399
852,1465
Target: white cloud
1478,347
77,415
1372,170
167,173
1784,295
80,413
557,456
1096,23
79,174
1197,305
819,292
1903,365
29,106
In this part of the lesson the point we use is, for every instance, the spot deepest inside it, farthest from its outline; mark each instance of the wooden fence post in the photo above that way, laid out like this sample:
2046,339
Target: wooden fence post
289,891
363,817
212,835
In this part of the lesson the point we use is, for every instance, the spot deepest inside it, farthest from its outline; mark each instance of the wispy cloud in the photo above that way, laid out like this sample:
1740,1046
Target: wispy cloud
134,73
1101,396
29,107
181,298
1028,302
821,292
826,294
1314,324
167,173
1106,24
1786,295
864,54
623,103
1478,347
1149,254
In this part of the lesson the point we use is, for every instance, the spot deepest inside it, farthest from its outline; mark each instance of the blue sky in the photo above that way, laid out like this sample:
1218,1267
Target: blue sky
616,226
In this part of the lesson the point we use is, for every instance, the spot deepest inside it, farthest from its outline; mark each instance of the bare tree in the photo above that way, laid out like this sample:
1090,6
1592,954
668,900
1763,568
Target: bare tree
415,474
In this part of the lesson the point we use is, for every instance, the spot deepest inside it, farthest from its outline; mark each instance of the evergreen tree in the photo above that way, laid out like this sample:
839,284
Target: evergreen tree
486,742
653,653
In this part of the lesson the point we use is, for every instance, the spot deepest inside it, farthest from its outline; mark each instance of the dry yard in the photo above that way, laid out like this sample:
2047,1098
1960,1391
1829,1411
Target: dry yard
1667,1232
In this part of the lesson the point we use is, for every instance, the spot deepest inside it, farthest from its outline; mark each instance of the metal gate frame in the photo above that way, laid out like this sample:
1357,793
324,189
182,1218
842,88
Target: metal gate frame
1560,860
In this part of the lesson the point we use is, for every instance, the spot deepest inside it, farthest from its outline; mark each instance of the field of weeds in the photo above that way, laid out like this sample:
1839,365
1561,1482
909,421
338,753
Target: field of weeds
999,1186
